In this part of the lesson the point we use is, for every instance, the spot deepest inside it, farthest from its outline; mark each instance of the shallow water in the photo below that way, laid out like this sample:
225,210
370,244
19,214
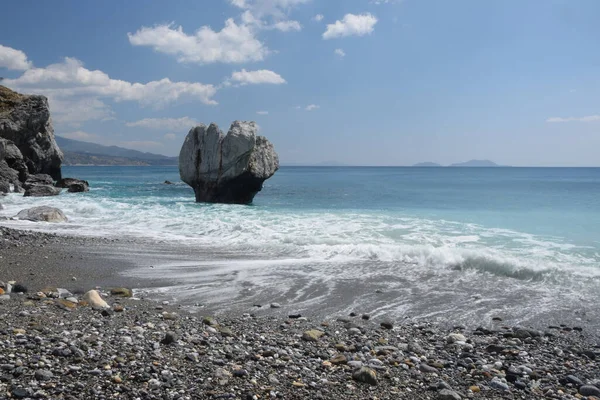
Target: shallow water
463,244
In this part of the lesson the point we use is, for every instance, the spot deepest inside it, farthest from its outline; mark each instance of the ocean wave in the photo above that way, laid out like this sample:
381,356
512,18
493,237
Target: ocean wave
333,237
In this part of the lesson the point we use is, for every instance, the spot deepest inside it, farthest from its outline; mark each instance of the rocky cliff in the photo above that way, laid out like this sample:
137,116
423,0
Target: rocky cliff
27,144
226,168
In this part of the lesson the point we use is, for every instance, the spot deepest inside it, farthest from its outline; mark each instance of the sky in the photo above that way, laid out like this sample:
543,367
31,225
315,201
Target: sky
357,82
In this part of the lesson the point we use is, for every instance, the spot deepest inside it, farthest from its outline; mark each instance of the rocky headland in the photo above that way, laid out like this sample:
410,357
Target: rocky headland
27,144
30,160
227,168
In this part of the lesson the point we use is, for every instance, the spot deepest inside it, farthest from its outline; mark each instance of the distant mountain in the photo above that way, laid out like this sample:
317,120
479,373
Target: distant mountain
427,164
476,163
85,153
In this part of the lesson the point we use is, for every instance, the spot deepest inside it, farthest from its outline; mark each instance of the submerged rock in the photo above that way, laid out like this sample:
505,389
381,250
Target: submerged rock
227,168
42,213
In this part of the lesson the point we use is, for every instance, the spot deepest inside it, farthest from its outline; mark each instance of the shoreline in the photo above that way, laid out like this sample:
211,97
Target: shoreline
160,271
152,349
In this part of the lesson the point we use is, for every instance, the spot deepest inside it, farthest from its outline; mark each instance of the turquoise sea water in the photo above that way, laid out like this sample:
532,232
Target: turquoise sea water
474,241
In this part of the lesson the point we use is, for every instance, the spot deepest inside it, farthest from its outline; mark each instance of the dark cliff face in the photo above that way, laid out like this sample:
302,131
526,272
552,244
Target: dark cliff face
25,123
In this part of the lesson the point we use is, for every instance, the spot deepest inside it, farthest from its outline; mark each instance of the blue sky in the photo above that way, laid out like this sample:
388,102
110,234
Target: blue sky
363,82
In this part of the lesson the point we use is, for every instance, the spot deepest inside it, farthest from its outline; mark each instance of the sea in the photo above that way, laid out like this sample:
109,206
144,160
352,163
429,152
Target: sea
454,245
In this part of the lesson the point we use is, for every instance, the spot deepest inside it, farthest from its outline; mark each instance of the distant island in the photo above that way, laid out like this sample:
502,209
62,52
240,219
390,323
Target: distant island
78,152
470,163
476,163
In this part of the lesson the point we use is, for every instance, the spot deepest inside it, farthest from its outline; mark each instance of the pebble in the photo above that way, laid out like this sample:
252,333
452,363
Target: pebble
43,375
589,390
387,324
447,394
339,359
365,375
312,335
93,298
496,383
574,380
170,338
456,337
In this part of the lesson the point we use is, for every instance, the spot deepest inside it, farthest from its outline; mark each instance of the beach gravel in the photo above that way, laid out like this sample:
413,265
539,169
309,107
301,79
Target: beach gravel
54,345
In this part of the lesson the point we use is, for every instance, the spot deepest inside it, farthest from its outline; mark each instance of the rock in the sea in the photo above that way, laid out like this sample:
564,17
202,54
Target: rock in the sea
73,185
42,213
226,168
93,299
41,191
25,121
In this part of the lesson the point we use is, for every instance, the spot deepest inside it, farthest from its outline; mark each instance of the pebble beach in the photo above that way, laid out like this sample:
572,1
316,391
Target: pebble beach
55,345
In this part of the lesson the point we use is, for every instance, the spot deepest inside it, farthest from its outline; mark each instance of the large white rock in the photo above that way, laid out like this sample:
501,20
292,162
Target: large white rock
94,299
226,168
42,213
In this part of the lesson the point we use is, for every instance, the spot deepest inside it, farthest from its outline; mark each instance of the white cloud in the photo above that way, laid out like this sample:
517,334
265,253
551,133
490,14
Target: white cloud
244,77
286,26
170,136
262,112
351,25
70,78
79,135
251,20
165,123
318,17
233,44
378,2
239,3
143,144
311,107
589,118
275,8
77,110
339,52
269,14
13,59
